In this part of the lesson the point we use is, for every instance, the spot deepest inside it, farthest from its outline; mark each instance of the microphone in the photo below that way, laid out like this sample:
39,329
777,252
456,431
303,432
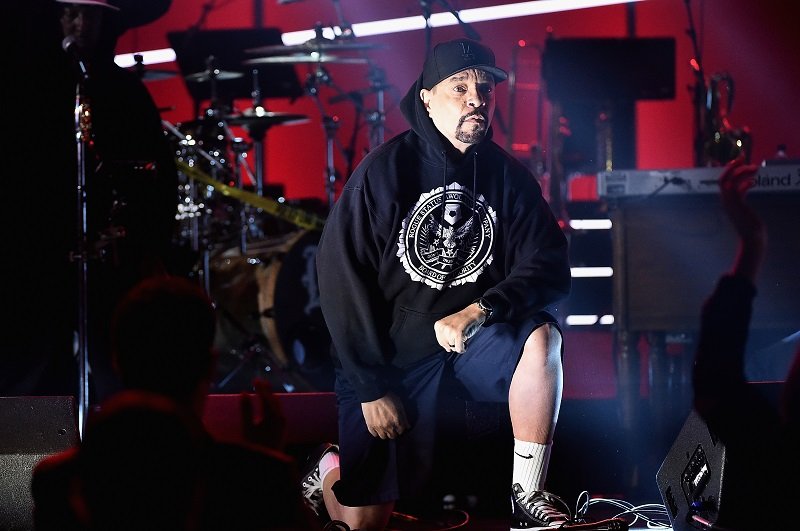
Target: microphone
70,46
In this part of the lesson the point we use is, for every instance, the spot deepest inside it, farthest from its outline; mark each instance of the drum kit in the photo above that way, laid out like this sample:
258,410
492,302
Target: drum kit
254,254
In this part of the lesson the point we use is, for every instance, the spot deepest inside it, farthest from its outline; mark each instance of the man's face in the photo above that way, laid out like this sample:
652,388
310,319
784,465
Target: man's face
82,22
461,106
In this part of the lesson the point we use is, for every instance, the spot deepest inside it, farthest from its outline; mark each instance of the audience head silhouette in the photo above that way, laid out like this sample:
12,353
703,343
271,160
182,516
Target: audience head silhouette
162,337
139,466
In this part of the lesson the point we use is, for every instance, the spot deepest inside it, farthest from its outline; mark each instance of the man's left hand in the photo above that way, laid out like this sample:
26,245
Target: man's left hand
453,331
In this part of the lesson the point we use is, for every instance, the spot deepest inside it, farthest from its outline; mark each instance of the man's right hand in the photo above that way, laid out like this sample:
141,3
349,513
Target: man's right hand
385,417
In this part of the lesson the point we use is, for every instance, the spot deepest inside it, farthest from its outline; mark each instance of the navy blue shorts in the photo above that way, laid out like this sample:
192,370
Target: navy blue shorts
374,470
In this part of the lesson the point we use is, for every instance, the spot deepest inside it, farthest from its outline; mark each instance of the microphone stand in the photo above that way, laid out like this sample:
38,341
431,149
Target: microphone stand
83,132
469,31
700,92
426,14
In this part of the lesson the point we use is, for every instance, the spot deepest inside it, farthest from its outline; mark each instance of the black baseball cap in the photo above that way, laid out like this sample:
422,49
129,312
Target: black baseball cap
448,58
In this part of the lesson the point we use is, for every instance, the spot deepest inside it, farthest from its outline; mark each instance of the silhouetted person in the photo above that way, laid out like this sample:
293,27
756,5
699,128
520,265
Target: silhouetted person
761,441
131,193
162,337
137,468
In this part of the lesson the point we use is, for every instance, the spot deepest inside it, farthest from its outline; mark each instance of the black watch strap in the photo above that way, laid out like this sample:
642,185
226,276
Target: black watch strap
485,307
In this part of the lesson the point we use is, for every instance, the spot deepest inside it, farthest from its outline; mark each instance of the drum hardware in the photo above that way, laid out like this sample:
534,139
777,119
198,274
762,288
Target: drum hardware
469,31
375,118
318,44
253,119
271,322
211,75
315,50
314,80
296,216
201,213
300,58
270,319
205,186
149,74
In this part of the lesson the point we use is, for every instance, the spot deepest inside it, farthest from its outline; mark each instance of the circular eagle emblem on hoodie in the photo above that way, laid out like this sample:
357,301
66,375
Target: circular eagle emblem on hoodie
447,237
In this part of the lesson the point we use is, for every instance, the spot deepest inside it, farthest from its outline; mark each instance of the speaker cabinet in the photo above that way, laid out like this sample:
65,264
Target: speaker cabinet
700,484
33,427
669,252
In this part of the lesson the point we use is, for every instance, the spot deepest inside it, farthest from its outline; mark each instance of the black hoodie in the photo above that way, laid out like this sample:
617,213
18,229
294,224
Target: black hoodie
419,232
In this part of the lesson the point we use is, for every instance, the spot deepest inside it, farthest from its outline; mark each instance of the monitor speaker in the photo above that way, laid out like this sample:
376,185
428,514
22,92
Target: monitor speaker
700,484
33,427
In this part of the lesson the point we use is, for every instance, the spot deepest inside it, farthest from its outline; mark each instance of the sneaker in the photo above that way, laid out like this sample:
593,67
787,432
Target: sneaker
311,485
537,510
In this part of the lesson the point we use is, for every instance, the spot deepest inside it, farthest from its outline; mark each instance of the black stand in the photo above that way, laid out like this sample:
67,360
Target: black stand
83,116
699,92
313,81
377,118
469,31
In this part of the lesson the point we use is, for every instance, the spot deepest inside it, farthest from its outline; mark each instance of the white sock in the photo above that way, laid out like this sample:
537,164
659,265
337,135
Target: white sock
530,464
328,462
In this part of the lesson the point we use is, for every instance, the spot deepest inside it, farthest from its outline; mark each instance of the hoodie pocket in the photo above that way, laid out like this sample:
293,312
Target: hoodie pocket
413,336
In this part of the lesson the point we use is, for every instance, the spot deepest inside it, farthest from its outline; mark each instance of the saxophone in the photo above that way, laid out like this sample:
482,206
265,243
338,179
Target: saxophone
721,141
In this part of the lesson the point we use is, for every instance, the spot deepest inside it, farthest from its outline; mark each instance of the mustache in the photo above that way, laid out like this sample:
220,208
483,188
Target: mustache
476,112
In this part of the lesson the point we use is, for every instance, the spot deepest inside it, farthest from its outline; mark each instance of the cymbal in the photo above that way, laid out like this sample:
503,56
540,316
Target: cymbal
313,45
266,118
155,75
219,75
311,58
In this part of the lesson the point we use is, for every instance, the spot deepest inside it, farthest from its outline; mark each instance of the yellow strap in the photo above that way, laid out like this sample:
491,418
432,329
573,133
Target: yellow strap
294,215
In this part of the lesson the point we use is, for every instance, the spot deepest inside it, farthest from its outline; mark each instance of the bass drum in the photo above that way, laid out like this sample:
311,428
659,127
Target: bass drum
270,323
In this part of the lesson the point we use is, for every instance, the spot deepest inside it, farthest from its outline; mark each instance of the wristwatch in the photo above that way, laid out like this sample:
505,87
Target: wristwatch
485,307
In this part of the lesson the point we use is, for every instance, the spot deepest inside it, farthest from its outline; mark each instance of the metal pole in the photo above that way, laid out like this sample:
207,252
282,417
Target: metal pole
330,173
82,136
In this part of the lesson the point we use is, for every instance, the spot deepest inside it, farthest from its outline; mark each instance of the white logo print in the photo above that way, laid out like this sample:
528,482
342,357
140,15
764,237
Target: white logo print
443,241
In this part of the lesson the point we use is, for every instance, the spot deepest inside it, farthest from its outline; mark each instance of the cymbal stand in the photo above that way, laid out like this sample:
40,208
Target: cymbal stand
377,118
213,111
258,134
345,28
240,148
330,125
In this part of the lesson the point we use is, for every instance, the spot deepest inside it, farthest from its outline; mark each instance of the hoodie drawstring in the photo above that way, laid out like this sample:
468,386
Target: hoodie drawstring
444,188
474,189
475,183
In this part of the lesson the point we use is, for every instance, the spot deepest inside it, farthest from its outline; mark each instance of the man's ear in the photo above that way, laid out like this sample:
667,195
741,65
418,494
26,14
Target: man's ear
425,96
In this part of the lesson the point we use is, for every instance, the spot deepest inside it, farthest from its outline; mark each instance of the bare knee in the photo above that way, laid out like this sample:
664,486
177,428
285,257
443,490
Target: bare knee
543,345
